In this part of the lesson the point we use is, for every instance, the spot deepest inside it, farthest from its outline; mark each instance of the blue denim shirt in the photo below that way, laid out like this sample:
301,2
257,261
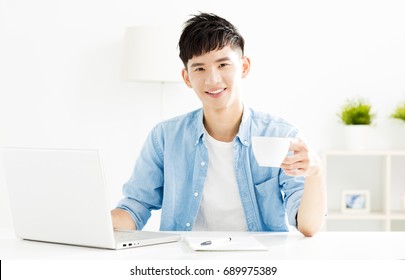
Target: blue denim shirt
172,166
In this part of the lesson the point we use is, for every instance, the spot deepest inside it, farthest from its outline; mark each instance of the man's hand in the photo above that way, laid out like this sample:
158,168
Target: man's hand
303,162
122,219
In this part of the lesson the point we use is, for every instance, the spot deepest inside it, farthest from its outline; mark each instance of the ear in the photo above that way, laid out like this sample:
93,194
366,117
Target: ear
245,66
184,74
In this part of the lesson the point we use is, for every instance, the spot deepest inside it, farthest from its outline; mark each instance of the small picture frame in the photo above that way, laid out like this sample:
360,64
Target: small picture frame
355,201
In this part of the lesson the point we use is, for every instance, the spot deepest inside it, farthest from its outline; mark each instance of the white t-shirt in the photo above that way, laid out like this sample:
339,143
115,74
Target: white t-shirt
221,207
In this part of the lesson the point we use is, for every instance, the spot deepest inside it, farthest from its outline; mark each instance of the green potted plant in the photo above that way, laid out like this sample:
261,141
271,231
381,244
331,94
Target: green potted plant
356,111
398,127
399,112
357,116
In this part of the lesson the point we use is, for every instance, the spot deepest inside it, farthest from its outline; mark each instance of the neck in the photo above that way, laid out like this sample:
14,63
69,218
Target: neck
223,125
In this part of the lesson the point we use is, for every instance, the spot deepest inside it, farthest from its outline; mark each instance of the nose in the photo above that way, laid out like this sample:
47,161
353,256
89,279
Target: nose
213,77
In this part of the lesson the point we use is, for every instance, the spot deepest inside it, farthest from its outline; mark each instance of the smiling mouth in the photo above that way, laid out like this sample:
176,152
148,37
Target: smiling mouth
216,92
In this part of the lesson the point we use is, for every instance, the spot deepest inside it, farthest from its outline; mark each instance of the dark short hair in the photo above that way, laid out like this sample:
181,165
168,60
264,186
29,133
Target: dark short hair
206,32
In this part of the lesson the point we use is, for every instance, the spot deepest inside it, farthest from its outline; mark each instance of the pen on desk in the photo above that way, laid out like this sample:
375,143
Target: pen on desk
215,241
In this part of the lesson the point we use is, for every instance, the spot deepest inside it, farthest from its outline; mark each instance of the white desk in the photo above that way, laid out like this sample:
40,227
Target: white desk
282,246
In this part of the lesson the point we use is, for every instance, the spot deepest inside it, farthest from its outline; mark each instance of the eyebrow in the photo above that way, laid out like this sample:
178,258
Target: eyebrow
222,59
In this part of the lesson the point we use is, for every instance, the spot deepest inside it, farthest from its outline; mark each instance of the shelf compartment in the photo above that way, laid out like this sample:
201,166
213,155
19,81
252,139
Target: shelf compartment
381,173
355,172
368,216
356,225
397,225
397,190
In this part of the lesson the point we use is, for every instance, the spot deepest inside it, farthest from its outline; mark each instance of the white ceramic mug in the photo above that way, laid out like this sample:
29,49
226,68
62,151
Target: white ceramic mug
270,151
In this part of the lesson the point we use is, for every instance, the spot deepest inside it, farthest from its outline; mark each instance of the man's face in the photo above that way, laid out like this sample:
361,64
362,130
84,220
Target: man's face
216,77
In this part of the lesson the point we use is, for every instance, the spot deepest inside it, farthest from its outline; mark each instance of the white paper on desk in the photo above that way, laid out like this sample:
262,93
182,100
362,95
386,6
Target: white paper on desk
245,243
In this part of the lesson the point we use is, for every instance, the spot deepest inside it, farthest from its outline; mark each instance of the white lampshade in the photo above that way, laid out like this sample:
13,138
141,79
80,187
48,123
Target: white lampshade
151,54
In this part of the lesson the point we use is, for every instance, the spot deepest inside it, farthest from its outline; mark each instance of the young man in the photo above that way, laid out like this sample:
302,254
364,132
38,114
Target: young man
200,169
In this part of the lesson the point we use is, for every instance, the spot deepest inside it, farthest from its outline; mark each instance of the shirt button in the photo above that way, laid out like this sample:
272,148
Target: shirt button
188,225
196,194
246,142
203,163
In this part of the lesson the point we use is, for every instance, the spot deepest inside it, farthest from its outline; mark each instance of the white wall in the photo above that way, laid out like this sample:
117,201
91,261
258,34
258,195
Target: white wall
60,71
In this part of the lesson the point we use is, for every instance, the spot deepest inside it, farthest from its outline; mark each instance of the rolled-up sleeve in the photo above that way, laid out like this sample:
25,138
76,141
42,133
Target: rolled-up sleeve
293,189
143,192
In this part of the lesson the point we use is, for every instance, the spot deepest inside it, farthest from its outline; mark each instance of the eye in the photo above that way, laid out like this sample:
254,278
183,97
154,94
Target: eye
199,69
222,65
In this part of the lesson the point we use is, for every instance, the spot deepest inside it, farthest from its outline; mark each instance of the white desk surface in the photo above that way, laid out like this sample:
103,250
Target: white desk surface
282,246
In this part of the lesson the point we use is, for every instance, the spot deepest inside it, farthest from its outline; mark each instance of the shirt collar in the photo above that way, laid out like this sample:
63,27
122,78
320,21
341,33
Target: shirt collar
244,129
199,130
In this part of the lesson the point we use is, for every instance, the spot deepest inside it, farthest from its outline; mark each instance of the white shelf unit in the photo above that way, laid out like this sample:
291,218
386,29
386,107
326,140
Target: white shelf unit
381,172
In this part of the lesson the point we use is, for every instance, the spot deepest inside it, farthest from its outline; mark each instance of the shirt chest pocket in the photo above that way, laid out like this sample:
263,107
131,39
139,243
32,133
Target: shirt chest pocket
270,201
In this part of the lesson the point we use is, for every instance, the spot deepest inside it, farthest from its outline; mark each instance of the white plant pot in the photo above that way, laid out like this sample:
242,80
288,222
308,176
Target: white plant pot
398,135
357,136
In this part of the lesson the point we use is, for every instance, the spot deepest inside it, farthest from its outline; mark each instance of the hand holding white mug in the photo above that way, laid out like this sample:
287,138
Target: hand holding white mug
302,161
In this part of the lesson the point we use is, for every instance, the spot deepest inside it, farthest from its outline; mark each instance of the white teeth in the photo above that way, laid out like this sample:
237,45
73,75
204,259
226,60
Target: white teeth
216,92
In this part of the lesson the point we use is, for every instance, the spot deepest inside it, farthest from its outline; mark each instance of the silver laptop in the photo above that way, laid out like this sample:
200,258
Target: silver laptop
59,196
